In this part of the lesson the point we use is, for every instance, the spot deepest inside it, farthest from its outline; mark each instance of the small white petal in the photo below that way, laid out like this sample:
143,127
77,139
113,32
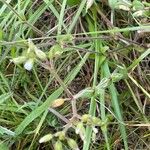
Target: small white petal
77,131
95,130
29,64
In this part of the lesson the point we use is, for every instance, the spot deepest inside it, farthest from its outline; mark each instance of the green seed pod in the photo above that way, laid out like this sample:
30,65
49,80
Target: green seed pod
58,146
46,138
72,143
19,60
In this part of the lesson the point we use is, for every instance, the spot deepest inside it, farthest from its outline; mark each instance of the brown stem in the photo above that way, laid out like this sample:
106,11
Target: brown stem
59,115
51,68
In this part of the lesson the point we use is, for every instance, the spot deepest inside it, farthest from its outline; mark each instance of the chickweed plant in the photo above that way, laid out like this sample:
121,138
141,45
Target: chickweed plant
74,74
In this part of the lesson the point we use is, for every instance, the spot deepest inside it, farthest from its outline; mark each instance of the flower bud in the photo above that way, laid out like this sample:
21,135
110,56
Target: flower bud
60,135
19,60
46,138
40,54
85,117
96,121
72,143
58,146
29,64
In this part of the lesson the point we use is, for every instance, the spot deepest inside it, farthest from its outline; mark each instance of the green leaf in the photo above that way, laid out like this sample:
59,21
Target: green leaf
55,51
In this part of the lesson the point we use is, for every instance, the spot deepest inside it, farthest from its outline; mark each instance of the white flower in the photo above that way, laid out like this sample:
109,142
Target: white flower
29,64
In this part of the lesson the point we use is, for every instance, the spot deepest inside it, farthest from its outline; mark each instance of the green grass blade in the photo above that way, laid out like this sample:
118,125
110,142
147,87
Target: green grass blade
77,15
92,27
103,113
116,106
137,61
62,12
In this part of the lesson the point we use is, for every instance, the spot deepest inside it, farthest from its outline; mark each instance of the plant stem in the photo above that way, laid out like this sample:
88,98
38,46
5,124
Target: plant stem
51,68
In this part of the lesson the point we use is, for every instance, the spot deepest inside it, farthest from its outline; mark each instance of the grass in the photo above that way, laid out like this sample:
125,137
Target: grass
94,64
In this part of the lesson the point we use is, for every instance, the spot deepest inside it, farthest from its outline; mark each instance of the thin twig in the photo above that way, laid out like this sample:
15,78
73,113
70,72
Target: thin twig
59,115
51,68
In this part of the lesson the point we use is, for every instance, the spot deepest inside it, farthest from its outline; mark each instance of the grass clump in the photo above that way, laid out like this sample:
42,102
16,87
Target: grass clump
74,75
